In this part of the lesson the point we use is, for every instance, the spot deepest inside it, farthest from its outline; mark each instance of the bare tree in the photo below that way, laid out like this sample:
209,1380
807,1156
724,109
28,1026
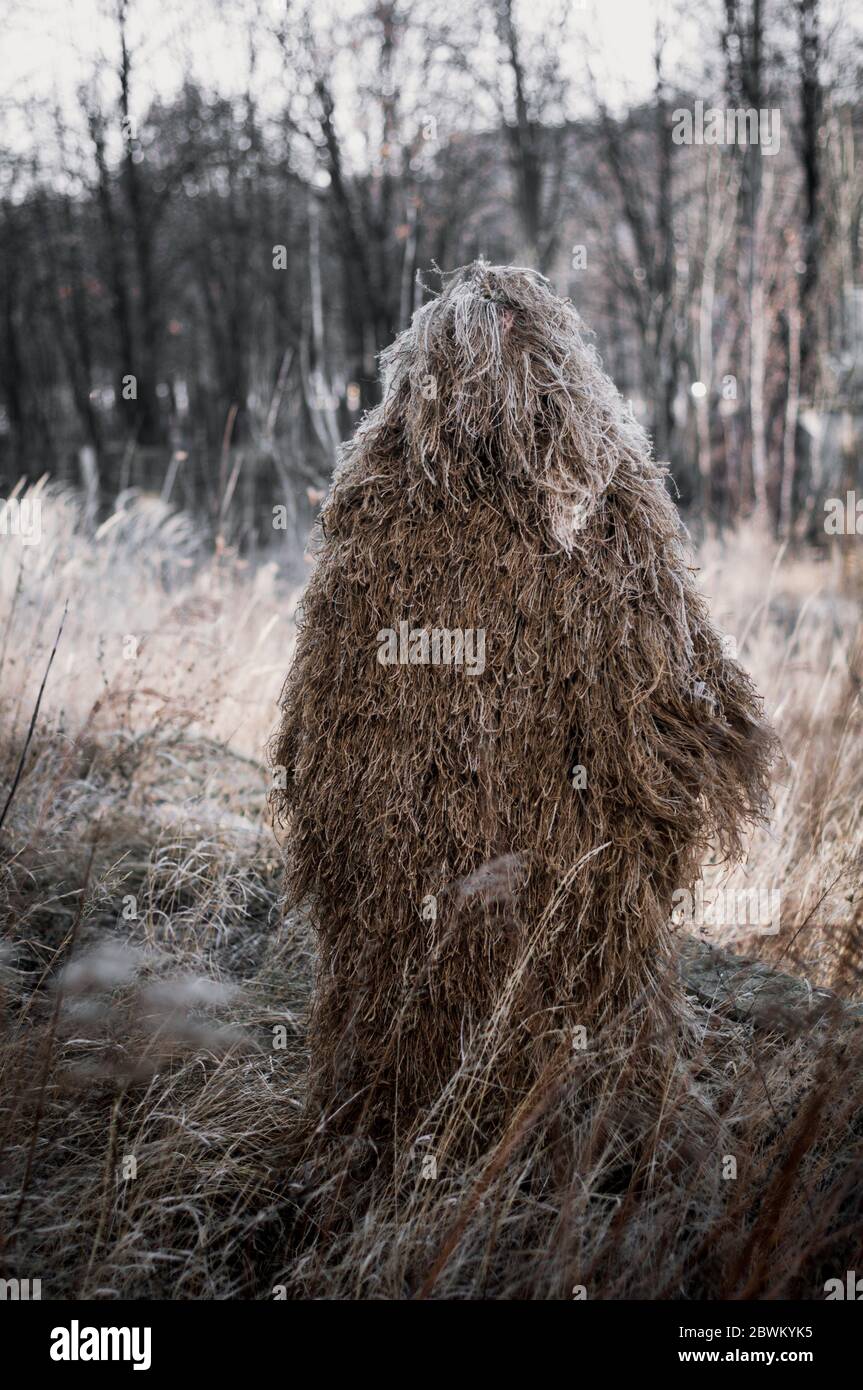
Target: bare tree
529,104
640,249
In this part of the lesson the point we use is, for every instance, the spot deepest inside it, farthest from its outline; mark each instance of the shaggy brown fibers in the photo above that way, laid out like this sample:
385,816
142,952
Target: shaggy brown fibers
488,851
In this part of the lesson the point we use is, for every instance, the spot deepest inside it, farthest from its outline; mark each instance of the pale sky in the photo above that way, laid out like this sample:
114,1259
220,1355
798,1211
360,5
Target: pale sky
50,46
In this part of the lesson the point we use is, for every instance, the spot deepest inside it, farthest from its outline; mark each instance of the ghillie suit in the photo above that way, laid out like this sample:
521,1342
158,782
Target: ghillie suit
476,896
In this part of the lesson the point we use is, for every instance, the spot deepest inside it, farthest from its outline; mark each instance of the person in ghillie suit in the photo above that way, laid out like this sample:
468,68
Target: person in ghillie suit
510,730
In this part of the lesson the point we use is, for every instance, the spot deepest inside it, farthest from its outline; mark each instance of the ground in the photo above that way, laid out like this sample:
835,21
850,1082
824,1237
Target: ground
155,993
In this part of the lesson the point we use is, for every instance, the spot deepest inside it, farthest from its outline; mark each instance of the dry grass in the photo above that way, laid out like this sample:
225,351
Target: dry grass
151,1037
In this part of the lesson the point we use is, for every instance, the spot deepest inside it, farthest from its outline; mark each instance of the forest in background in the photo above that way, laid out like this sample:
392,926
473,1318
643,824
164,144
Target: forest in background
194,288
241,237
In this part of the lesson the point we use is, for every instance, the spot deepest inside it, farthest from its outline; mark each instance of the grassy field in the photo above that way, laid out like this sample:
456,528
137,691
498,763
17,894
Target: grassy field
154,995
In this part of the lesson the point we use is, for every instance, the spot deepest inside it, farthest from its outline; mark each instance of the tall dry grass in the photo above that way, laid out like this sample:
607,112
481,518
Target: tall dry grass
796,622
154,998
